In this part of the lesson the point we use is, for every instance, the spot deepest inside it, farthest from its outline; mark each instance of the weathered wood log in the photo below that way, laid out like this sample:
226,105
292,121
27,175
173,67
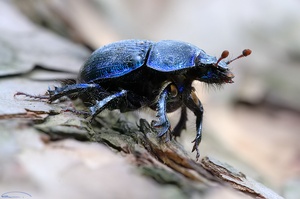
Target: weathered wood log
167,162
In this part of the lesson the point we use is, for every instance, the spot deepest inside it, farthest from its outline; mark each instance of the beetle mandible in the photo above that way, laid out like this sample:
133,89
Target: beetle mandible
131,74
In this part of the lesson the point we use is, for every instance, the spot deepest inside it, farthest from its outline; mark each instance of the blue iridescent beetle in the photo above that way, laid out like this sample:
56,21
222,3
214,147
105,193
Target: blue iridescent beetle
131,74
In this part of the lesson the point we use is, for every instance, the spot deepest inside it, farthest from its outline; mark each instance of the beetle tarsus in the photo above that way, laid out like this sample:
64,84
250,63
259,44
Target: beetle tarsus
197,152
32,96
196,142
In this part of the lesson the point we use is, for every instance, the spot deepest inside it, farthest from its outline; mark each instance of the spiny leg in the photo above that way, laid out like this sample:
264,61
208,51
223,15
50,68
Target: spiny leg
194,104
181,125
59,92
108,101
163,124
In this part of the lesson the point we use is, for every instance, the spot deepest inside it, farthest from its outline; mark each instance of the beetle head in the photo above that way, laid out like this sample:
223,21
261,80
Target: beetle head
215,70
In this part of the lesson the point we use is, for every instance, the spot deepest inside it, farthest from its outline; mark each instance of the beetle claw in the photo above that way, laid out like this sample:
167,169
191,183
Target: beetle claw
196,142
161,128
197,151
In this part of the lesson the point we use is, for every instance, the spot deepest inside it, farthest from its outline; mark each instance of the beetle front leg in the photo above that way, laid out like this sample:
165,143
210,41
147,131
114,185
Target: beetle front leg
163,124
194,104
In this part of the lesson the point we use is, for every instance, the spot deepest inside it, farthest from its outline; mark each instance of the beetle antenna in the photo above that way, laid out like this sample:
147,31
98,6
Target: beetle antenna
245,53
224,54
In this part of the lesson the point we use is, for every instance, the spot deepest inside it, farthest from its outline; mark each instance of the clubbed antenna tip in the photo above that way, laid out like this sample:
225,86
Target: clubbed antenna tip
245,53
224,54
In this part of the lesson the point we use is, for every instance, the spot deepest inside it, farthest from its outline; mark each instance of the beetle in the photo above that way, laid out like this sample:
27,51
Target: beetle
131,74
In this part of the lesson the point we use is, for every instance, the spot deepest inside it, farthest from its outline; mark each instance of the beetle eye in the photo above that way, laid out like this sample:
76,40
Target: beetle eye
173,91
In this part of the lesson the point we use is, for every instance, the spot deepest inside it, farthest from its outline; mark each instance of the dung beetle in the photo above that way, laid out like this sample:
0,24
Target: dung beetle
131,74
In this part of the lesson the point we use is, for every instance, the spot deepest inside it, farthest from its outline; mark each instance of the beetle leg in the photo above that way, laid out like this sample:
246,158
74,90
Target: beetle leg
104,103
194,104
163,124
181,123
33,96
58,92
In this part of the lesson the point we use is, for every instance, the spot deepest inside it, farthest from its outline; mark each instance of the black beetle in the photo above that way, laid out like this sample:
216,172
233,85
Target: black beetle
131,74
